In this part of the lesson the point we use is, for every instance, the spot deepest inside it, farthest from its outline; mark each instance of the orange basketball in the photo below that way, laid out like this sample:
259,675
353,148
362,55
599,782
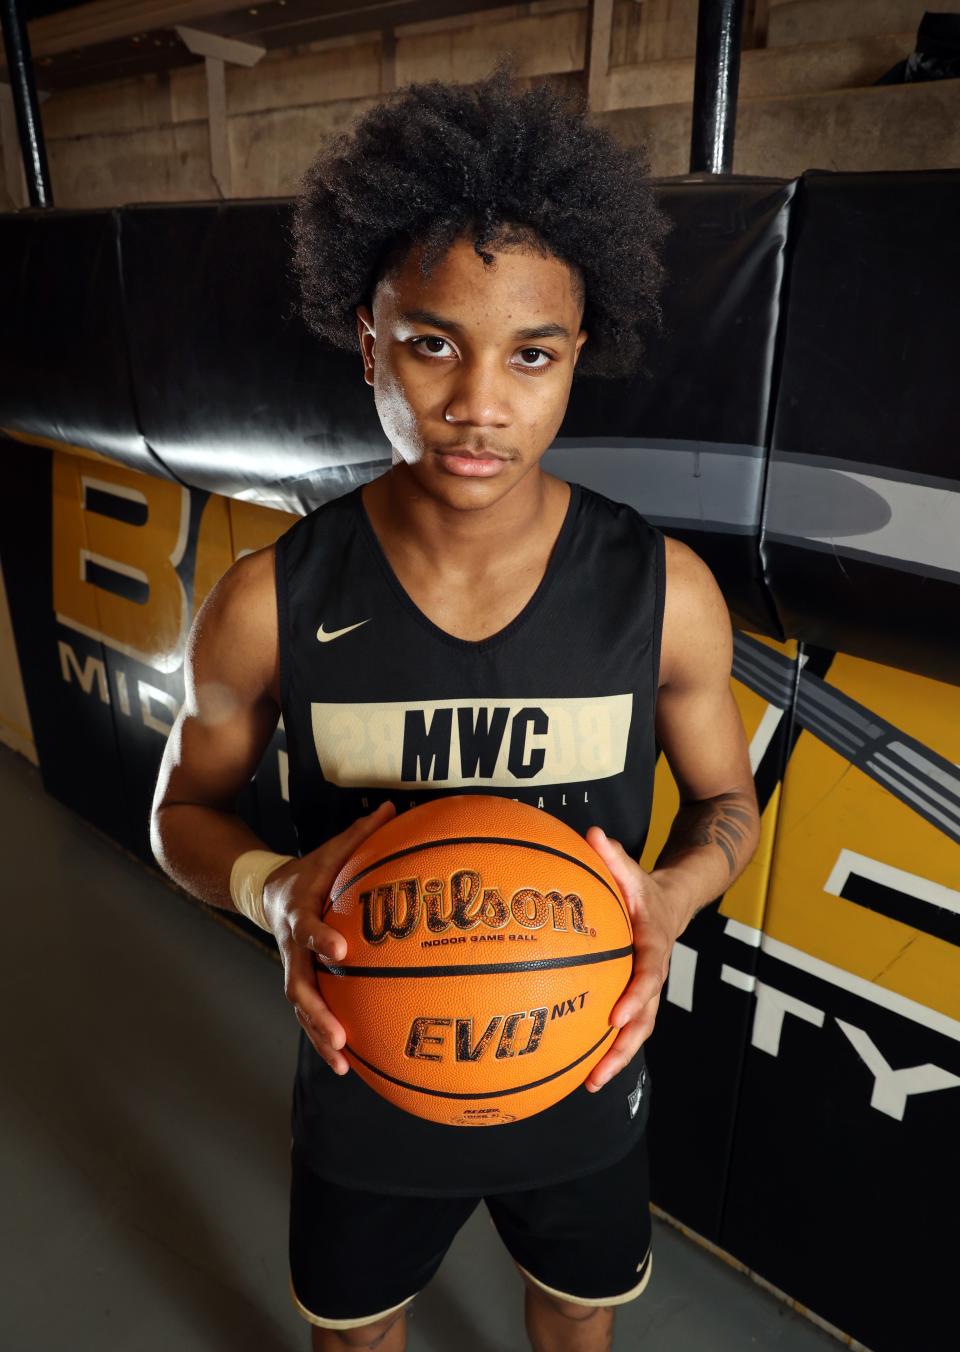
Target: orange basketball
487,944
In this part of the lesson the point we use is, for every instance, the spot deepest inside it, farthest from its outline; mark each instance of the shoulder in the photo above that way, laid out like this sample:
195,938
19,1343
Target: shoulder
697,636
323,529
235,629
248,579
594,501
687,572
615,522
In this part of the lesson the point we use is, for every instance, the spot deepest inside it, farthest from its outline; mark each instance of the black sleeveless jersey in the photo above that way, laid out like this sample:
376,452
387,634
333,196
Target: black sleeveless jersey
556,710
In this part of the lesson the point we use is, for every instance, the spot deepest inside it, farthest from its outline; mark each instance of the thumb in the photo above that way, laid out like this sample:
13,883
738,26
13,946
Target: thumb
374,820
338,850
341,847
615,857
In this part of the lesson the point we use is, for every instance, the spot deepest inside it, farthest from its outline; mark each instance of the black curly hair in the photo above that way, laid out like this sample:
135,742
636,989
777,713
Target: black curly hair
502,163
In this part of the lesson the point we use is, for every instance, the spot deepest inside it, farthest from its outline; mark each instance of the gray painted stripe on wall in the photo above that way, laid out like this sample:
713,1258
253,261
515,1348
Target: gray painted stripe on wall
907,525
916,774
661,444
899,474
694,485
769,673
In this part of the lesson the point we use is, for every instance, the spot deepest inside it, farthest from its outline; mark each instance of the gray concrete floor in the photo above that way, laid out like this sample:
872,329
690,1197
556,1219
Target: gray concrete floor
147,1059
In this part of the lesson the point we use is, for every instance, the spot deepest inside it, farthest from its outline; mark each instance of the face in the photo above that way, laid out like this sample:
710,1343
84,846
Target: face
471,367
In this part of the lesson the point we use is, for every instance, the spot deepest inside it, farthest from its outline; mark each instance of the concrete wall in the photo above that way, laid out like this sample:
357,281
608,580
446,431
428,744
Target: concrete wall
805,97
793,21
904,127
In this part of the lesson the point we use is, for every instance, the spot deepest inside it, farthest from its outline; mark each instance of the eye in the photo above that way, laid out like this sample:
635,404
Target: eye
535,352
424,339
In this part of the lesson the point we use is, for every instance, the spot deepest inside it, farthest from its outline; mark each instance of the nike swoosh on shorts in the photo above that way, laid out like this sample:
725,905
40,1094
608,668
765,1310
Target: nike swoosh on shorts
338,633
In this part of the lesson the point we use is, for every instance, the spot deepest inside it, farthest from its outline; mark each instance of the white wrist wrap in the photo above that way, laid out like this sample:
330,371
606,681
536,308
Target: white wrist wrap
247,877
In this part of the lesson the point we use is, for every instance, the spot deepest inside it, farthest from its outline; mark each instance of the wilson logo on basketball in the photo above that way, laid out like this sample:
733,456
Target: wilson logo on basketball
394,910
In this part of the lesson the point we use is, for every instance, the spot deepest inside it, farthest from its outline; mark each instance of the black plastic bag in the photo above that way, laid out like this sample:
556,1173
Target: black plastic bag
937,54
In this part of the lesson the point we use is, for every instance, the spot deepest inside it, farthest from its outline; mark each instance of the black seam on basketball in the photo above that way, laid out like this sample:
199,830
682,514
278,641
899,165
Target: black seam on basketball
486,968
484,1094
473,840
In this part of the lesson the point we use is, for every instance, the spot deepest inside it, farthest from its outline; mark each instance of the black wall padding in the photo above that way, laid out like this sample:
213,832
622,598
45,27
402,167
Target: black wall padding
168,337
693,426
235,395
64,352
862,531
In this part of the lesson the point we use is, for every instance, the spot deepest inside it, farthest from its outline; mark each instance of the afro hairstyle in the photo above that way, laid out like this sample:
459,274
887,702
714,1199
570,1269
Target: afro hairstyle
498,163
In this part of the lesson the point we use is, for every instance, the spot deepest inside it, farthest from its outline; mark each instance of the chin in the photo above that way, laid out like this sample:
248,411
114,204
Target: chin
464,494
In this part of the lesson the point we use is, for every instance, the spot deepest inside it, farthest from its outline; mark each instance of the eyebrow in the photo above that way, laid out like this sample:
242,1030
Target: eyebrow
438,322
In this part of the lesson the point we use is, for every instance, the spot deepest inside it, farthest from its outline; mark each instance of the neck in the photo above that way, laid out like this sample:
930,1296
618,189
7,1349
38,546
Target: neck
455,540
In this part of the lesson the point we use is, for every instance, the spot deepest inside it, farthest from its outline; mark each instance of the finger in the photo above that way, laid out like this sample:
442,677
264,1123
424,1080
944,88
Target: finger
331,856
615,857
642,987
312,1008
609,1065
627,1044
300,988
341,847
321,1045
309,932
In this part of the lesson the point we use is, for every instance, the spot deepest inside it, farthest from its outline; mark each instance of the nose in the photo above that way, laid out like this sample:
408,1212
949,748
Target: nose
478,395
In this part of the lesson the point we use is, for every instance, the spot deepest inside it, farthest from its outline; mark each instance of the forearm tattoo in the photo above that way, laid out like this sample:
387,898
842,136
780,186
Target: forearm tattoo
726,820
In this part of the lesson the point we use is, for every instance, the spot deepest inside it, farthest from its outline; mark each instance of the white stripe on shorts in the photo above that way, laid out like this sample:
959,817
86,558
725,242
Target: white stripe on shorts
345,1323
646,1265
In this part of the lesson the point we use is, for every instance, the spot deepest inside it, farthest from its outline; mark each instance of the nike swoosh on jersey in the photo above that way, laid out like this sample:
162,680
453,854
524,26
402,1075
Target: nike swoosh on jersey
338,633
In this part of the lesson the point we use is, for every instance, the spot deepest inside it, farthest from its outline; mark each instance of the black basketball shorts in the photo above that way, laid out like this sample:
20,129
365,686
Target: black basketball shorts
356,1257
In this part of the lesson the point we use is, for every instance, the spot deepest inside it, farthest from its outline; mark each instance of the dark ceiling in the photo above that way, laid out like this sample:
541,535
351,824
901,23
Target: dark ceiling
268,23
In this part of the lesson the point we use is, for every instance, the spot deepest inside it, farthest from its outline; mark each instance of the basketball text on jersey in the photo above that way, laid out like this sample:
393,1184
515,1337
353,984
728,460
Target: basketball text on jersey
455,744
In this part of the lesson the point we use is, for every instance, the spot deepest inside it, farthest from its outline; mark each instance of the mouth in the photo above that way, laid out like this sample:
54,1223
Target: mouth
470,464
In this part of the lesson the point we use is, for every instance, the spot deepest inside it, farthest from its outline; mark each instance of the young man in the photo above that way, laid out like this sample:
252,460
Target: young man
466,623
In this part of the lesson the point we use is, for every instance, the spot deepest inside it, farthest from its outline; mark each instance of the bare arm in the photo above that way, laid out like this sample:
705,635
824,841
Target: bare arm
229,714
716,829
230,711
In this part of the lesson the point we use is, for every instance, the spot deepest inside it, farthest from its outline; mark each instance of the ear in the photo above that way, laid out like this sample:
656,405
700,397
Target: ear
366,335
582,337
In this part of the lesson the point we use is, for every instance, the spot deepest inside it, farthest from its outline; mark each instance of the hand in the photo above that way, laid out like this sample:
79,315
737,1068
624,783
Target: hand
293,897
654,919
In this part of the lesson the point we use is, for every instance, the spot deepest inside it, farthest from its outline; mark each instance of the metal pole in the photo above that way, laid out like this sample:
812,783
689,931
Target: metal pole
20,75
715,80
